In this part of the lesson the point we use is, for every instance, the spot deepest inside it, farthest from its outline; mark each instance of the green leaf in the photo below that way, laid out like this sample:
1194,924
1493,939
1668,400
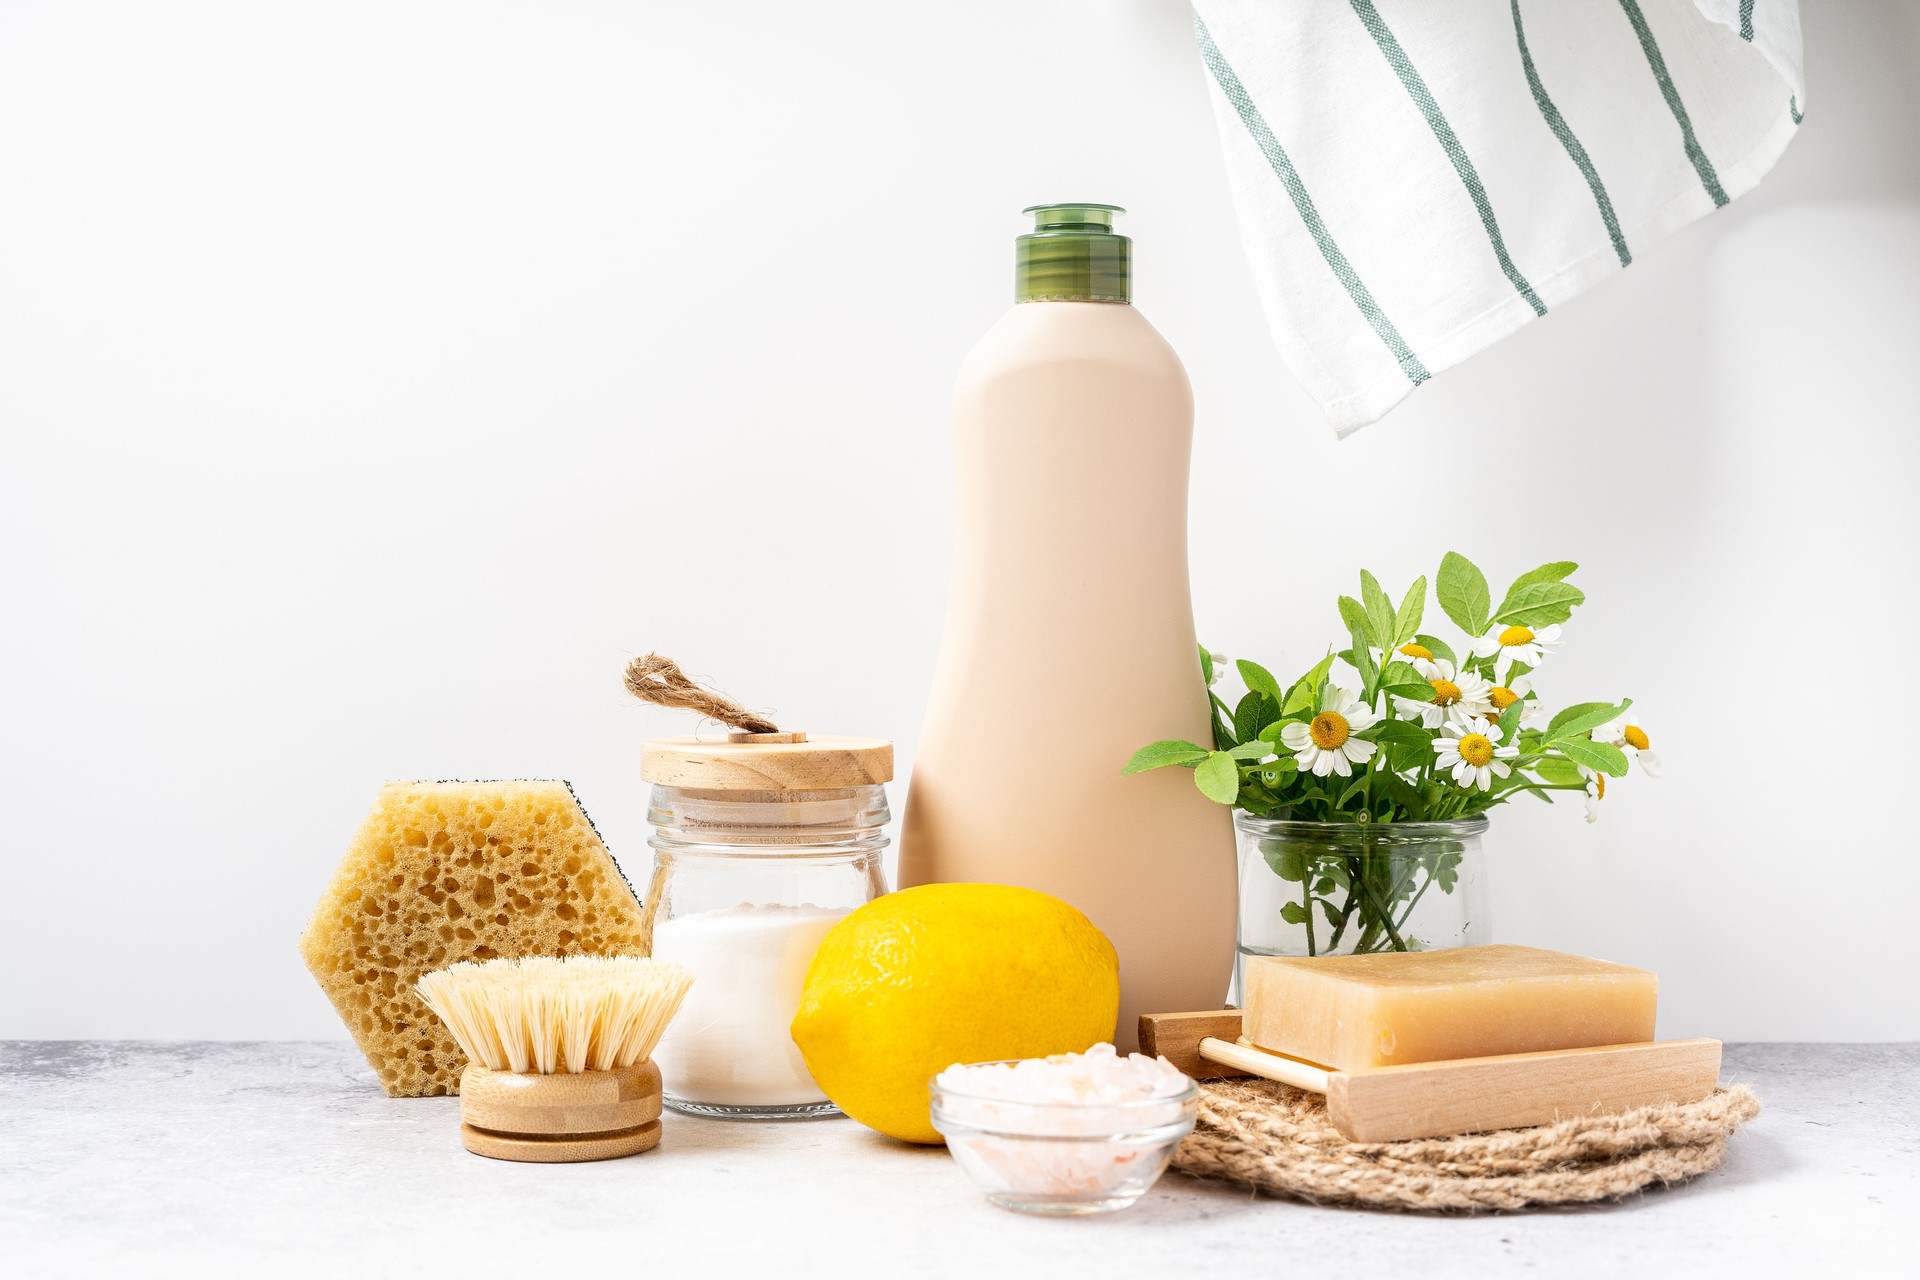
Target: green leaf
1407,745
1380,618
1553,572
1260,680
1510,723
1412,605
1307,687
1206,666
1437,647
1554,769
1582,717
1595,755
1362,661
1293,913
1157,755
1462,591
1255,711
1356,619
1400,678
1253,749
1284,859
1540,604
1218,777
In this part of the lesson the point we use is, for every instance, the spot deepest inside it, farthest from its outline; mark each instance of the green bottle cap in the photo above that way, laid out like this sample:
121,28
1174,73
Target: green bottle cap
1073,255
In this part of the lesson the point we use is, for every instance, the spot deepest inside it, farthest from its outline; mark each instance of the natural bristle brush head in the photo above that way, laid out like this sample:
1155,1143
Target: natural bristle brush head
560,1052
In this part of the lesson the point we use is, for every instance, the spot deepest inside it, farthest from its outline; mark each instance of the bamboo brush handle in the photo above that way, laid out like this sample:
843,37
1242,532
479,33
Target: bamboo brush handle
560,1119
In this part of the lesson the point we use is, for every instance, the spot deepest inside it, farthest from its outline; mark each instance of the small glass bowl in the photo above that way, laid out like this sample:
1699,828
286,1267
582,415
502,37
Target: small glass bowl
1063,1158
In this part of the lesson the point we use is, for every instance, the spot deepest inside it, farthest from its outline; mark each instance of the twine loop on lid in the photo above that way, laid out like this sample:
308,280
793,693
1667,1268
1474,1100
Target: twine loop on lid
658,679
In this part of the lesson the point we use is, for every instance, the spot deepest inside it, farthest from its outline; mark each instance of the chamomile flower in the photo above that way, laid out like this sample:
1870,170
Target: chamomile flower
1326,744
1460,698
1473,756
1517,644
1633,741
1502,696
1219,662
1596,791
1417,655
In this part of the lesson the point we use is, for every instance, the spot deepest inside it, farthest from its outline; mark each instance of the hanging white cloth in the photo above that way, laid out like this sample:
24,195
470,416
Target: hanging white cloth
1418,178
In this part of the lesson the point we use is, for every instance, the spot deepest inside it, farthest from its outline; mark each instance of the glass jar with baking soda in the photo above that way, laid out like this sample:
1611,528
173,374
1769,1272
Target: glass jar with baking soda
762,843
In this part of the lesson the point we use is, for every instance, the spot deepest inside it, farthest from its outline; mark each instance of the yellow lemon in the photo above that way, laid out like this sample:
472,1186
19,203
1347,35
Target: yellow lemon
918,980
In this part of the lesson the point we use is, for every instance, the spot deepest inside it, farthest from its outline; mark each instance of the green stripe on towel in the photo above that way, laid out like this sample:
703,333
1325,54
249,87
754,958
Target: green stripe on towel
1283,169
1701,165
1746,20
1581,160
1469,176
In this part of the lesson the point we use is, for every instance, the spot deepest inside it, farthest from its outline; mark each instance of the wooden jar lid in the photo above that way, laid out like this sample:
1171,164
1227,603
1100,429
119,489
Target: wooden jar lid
767,762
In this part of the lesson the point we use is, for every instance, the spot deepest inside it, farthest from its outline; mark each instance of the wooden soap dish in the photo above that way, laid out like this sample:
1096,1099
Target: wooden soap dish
563,1118
1462,1095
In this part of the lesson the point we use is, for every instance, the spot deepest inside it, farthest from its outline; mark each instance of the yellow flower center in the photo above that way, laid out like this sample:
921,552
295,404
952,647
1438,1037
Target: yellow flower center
1636,737
1476,749
1600,790
1413,650
1445,692
1328,730
1502,697
1515,635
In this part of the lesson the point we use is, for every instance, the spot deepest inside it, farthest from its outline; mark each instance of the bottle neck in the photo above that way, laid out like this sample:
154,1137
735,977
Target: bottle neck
1073,255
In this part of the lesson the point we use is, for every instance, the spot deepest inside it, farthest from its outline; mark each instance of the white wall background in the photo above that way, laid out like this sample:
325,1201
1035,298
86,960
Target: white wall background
376,377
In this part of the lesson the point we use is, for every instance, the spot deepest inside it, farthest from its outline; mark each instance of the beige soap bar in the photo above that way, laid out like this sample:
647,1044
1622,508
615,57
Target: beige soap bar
1351,1012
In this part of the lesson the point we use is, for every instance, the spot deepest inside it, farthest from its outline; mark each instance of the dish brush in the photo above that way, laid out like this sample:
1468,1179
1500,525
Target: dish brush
559,1067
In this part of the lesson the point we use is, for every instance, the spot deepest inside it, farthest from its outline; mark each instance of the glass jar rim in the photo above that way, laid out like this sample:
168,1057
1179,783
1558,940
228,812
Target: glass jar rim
1451,828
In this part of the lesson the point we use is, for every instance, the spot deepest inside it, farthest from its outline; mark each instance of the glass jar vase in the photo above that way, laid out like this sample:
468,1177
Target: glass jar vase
760,848
1347,888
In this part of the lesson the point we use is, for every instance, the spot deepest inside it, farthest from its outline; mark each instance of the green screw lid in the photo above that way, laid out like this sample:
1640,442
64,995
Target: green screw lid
1073,254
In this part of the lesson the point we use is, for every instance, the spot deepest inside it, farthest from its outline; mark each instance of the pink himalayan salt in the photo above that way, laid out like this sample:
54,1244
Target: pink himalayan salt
1100,1075
1091,1095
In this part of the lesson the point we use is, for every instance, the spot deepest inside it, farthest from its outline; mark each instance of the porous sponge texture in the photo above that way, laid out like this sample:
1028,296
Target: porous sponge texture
449,871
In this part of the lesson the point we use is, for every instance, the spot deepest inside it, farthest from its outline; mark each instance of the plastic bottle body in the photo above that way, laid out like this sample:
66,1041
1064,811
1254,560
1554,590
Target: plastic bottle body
1069,643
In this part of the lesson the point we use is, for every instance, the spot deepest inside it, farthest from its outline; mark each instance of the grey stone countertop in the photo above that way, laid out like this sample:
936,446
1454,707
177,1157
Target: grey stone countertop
286,1159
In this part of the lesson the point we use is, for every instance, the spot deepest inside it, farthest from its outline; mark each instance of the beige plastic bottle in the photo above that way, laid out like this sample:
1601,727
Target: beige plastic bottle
1069,636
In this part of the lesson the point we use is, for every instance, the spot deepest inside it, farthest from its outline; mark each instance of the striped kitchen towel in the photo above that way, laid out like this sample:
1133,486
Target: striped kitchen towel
1418,178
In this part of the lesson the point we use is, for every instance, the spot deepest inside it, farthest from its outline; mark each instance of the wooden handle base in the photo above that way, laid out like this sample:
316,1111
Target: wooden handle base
560,1148
558,1119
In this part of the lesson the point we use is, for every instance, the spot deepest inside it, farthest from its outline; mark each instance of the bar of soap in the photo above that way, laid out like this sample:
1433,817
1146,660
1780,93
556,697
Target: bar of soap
449,871
1386,1009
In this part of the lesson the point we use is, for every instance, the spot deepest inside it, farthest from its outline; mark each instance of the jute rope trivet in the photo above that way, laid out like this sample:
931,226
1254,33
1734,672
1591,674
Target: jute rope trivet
1278,1139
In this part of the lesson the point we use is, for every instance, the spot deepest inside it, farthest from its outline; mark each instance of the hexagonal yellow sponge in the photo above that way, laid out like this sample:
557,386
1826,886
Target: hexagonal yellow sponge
447,871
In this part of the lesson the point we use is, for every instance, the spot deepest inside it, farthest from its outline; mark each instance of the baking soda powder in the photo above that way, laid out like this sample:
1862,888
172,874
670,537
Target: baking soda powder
730,1044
